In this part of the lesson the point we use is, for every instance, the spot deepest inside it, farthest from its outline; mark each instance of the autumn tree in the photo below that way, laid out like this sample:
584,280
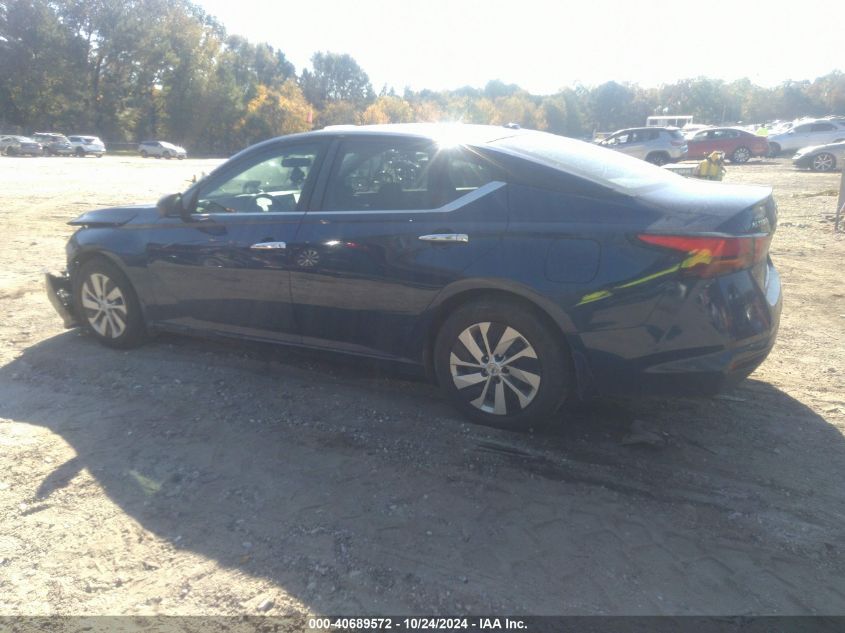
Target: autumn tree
274,112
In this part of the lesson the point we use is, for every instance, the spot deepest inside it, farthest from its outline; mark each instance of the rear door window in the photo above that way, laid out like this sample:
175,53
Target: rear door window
403,175
380,175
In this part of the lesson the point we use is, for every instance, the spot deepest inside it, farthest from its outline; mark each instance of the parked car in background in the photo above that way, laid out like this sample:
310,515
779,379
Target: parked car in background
14,145
806,133
8,143
820,157
738,145
84,145
518,267
657,145
161,149
54,144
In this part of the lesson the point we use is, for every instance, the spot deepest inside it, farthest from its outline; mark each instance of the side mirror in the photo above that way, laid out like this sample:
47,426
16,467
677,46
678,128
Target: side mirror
171,205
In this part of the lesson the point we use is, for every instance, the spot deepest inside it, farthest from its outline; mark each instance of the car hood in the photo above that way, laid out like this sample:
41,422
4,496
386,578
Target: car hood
830,147
115,216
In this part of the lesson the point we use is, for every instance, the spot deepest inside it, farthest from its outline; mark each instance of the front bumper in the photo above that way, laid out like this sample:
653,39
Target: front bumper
60,294
803,162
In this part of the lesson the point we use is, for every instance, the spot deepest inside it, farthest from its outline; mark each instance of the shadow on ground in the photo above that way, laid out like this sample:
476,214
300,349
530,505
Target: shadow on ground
356,492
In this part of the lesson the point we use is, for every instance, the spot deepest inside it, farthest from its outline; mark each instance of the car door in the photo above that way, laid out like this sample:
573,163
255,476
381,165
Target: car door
399,219
226,266
637,145
800,136
701,144
825,132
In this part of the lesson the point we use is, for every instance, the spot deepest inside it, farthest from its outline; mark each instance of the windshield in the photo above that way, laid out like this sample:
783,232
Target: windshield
597,164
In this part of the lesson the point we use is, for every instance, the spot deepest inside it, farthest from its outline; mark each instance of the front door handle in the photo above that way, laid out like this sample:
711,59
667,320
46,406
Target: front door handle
269,246
446,238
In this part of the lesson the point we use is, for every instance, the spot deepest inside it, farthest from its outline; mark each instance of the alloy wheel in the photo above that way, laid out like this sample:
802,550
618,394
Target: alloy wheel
741,155
104,306
823,162
495,368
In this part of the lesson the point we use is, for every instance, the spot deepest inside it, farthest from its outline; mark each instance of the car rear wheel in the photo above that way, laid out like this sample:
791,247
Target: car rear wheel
80,153
107,305
144,153
741,155
823,162
166,155
774,149
501,365
657,158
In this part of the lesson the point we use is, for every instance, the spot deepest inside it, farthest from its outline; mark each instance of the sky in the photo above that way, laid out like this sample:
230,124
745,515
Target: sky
544,46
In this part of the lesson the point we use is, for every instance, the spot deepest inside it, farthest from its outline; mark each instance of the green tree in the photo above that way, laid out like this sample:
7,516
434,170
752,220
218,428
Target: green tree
336,77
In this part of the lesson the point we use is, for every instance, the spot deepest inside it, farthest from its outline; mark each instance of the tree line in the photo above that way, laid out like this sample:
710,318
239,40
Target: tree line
129,70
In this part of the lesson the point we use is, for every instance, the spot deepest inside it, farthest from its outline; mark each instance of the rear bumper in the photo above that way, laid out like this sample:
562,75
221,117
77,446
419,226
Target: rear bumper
700,339
61,297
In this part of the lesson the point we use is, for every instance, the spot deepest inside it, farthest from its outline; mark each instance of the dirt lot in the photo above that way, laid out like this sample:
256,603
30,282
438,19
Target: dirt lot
192,477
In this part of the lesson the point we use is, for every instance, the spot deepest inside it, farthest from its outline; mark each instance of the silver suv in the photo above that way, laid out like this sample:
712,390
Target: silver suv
83,145
658,145
161,149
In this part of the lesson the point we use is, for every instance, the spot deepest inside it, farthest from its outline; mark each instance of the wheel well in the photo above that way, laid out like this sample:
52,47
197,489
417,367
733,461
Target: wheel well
84,258
658,152
453,303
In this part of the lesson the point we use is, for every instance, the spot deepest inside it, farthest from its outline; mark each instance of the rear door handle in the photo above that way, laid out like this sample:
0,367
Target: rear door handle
446,238
269,246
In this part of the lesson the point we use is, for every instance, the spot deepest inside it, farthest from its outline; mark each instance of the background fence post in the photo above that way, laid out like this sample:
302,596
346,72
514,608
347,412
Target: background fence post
840,203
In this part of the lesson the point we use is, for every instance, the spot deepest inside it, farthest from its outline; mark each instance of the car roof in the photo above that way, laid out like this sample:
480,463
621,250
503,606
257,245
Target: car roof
458,132
453,133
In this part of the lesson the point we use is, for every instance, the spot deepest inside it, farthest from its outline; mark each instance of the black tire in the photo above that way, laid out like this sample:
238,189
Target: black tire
657,158
823,161
741,155
774,149
95,283
166,155
80,153
527,399
144,153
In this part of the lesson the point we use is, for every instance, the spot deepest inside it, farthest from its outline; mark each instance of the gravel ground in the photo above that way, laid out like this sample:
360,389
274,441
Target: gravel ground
196,477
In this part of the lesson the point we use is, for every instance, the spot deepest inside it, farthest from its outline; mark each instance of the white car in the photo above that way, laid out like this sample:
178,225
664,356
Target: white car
657,145
83,145
806,133
161,149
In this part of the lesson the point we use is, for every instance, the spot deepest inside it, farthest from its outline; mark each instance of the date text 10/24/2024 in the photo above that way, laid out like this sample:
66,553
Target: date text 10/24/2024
415,624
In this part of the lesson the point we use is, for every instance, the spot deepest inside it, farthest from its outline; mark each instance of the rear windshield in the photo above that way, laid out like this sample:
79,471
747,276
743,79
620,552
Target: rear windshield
599,165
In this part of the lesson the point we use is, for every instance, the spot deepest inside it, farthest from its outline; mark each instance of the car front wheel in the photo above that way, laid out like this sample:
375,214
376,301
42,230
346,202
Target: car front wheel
823,162
658,158
741,155
107,305
501,365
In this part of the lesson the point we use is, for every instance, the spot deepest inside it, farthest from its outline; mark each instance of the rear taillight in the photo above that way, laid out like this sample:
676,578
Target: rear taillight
713,256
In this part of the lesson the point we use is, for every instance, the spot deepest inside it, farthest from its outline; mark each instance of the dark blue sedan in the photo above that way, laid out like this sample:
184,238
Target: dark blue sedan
517,268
